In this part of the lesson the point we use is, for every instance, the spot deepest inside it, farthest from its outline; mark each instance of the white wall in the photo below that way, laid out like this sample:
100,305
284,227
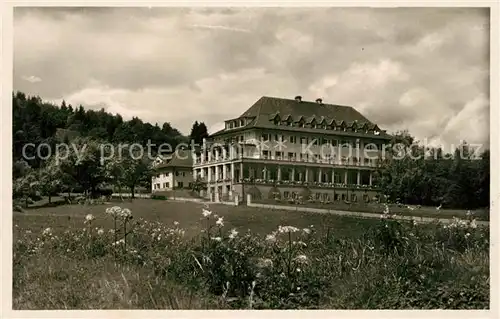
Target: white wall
166,179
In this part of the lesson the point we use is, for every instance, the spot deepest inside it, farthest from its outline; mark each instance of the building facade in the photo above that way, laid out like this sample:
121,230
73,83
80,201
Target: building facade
289,149
174,171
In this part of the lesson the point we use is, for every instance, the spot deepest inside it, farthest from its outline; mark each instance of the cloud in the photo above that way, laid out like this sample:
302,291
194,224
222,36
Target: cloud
32,79
218,27
421,69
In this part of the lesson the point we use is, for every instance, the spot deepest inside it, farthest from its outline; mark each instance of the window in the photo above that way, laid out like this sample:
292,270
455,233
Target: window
293,139
158,186
354,198
344,196
291,156
336,197
278,155
183,173
286,194
166,185
176,173
265,154
180,184
265,137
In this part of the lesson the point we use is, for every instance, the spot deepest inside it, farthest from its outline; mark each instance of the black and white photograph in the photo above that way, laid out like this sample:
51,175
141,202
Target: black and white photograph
250,158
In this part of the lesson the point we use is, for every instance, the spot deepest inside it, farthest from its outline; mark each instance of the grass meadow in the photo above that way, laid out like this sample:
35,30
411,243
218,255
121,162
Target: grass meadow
151,254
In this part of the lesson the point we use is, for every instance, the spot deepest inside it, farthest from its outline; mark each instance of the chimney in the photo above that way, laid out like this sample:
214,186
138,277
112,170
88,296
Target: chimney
319,101
298,98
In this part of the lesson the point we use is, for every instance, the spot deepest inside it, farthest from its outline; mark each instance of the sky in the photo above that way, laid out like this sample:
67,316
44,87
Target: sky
425,70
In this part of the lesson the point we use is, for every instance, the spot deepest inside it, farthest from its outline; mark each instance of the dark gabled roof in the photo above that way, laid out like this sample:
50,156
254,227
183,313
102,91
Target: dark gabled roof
179,159
266,108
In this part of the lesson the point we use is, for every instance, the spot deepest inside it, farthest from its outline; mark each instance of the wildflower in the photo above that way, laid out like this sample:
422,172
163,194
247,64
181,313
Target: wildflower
47,231
89,218
100,231
271,238
220,222
265,263
473,224
206,213
233,233
121,241
301,258
217,239
298,270
287,229
176,223
125,213
306,230
113,210
467,235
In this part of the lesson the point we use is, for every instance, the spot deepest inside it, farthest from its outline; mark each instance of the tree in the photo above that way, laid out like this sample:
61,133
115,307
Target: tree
81,165
199,131
199,185
51,179
26,187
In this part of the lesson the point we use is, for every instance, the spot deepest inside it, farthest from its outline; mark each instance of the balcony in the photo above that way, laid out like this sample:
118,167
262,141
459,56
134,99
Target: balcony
292,160
307,184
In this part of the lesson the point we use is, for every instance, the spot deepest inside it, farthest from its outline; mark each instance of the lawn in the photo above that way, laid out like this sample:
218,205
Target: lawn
74,257
424,211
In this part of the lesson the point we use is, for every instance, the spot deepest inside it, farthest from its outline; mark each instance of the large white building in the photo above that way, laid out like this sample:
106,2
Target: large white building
283,148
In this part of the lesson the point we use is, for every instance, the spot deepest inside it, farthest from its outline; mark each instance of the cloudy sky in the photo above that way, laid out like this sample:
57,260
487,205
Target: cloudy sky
425,70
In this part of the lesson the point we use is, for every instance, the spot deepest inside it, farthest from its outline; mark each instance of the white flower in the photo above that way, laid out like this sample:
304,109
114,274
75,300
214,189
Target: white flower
265,263
220,222
89,217
467,235
271,238
113,210
301,258
125,213
121,241
206,212
100,231
306,230
233,233
217,239
176,223
47,231
287,229
473,224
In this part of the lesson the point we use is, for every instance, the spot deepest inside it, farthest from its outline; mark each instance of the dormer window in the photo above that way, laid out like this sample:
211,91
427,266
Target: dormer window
242,122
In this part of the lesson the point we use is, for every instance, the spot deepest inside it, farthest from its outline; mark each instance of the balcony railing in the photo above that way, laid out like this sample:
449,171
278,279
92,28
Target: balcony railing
273,182
338,162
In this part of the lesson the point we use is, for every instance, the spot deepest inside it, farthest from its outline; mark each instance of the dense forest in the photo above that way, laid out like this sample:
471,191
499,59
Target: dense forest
429,176
436,179
37,122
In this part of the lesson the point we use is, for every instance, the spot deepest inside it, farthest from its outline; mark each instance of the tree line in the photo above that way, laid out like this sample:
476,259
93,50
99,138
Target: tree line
80,169
415,174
